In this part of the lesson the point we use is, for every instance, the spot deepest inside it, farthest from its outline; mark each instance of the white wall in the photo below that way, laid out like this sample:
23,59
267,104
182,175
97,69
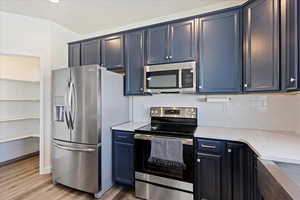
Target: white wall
21,35
179,15
268,112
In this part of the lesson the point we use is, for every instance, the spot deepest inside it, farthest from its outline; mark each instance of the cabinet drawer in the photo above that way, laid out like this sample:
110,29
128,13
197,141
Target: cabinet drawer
210,146
123,136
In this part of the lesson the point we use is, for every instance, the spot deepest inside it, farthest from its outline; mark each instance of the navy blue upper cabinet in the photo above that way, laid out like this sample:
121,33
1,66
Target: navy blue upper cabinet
113,52
261,46
74,54
182,41
134,68
90,52
157,45
289,46
220,53
171,43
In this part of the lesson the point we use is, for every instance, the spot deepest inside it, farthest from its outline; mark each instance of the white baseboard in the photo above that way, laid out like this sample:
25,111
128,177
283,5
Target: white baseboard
45,170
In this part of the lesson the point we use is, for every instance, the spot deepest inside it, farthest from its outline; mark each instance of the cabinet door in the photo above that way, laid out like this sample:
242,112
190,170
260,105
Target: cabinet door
124,163
134,56
220,68
289,39
113,52
157,45
90,52
182,41
208,177
74,54
261,46
235,172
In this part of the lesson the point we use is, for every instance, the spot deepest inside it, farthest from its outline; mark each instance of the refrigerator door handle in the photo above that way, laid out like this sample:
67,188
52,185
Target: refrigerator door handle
74,149
72,104
67,107
67,121
71,122
74,107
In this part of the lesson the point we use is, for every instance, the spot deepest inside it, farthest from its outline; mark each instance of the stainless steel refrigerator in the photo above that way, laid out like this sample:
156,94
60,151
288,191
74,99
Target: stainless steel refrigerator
86,101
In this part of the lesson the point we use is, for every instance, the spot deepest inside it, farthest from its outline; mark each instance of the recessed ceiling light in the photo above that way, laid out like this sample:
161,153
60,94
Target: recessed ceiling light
54,1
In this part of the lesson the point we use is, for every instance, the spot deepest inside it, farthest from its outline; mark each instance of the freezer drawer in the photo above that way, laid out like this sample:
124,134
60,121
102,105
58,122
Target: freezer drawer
77,166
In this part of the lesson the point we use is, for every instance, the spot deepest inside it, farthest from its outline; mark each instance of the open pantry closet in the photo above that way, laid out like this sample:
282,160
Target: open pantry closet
19,107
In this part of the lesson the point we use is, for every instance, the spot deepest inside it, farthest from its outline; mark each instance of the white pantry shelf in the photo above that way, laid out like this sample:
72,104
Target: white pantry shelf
19,138
17,80
34,117
24,100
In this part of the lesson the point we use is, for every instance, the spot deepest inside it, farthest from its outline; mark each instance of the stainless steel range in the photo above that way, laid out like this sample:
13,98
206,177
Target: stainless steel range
153,180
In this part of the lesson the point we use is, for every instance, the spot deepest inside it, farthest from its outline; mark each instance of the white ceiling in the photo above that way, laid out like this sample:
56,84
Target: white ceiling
86,16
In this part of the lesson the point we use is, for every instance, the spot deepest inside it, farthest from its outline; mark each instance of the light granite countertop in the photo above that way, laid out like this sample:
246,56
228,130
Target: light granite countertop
268,145
129,126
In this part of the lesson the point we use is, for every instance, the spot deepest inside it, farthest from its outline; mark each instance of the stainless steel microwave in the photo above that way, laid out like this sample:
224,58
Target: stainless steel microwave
170,78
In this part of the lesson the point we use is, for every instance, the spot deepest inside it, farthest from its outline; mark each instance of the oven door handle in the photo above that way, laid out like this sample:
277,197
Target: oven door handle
150,137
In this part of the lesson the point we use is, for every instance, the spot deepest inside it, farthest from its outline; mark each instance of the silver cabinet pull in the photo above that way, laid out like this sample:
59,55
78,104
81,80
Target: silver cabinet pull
200,86
119,136
170,57
292,80
149,79
141,89
229,150
198,160
167,57
208,146
246,85
74,149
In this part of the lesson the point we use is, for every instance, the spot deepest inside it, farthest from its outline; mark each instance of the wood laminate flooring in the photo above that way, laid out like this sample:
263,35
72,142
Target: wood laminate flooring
21,181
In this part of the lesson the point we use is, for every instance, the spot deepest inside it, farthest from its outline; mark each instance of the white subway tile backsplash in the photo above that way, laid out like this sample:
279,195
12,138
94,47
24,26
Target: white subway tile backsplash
269,112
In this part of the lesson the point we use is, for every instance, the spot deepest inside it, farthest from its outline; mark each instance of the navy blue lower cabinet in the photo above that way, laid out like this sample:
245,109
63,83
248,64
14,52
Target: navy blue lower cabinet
225,170
123,158
208,172
208,169
236,183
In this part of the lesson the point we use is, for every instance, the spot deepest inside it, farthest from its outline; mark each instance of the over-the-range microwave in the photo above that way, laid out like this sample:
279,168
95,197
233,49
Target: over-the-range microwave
170,78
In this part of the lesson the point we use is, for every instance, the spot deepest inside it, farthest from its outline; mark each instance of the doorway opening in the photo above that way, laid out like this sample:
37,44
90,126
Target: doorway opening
19,107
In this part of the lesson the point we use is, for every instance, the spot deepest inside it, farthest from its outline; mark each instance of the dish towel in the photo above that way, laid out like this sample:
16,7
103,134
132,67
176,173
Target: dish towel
167,153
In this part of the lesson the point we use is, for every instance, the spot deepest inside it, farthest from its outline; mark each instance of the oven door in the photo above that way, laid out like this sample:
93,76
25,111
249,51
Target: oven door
142,154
